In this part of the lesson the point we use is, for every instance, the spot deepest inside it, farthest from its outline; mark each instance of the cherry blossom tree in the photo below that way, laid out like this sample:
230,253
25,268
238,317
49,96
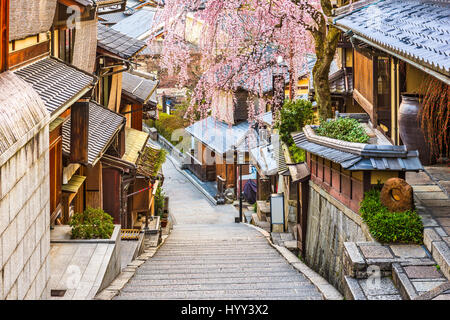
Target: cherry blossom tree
241,42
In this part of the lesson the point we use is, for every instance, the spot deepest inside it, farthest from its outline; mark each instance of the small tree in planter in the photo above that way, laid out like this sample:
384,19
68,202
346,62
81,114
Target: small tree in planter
92,224
159,206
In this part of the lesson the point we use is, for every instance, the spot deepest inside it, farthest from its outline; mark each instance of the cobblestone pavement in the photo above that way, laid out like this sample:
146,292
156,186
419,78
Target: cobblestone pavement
208,256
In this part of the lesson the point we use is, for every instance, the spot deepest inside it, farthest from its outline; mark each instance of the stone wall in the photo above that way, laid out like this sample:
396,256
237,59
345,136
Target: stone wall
25,219
329,225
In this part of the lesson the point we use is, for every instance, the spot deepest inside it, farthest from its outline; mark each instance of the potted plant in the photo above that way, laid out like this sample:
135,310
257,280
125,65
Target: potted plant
160,207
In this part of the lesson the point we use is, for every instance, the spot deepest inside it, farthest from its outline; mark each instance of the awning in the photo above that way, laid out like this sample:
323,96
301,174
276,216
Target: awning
299,172
265,160
104,125
74,184
139,88
135,141
148,163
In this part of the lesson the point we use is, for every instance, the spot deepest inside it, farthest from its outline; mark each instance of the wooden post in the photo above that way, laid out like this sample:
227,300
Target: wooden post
79,134
4,34
121,142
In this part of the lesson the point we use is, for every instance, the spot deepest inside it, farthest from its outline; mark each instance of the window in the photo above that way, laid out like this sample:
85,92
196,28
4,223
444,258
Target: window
4,42
66,44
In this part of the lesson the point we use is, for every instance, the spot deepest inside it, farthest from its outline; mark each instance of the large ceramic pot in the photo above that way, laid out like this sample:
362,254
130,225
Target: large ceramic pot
409,127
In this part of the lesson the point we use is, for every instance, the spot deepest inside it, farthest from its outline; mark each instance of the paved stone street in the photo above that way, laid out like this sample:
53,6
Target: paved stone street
208,256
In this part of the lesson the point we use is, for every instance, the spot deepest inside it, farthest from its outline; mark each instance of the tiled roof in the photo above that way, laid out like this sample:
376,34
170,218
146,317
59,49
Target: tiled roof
117,43
55,81
103,3
218,135
139,88
374,157
111,18
137,24
415,29
135,141
103,126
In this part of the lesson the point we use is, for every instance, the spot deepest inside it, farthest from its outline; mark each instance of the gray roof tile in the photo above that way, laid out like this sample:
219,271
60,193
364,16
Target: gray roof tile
103,125
139,88
136,24
55,81
218,135
118,43
416,29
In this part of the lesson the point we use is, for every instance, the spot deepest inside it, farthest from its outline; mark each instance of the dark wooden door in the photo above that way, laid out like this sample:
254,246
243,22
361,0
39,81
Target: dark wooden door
111,193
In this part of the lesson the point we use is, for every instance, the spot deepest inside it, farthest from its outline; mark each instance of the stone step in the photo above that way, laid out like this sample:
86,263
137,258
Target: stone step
218,276
221,266
225,294
209,265
288,277
256,269
229,297
214,259
143,286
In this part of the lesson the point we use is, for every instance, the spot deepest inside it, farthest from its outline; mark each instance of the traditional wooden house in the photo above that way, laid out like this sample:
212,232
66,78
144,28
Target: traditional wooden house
396,46
98,129
58,82
115,54
138,98
129,176
346,170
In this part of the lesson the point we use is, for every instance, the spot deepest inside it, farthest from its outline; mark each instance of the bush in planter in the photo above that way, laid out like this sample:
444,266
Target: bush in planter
346,129
92,224
390,227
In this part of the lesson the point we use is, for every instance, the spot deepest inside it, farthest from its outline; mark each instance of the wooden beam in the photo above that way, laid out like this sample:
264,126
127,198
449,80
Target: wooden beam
21,56
4,35
363,102
79,134
69,3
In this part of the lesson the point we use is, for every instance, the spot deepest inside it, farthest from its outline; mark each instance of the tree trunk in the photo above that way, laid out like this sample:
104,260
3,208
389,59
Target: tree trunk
326,44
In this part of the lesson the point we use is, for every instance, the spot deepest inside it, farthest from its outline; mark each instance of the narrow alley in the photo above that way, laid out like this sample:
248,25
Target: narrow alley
208,256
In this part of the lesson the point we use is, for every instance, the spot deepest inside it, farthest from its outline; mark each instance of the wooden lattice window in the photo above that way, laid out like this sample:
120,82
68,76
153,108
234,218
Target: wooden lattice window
4,34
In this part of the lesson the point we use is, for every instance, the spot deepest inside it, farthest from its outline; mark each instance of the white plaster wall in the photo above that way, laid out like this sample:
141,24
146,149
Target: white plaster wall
25,221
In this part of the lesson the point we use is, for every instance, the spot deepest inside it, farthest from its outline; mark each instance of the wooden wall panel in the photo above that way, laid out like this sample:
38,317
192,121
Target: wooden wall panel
136,116
363,74
111,192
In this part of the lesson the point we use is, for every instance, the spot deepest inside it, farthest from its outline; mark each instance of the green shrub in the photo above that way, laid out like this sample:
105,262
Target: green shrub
92,224
293,117
390,227
346,129
167,124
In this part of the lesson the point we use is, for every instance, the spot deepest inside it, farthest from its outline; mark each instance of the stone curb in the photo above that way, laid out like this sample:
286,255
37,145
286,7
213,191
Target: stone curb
325,288
127,273
403,283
